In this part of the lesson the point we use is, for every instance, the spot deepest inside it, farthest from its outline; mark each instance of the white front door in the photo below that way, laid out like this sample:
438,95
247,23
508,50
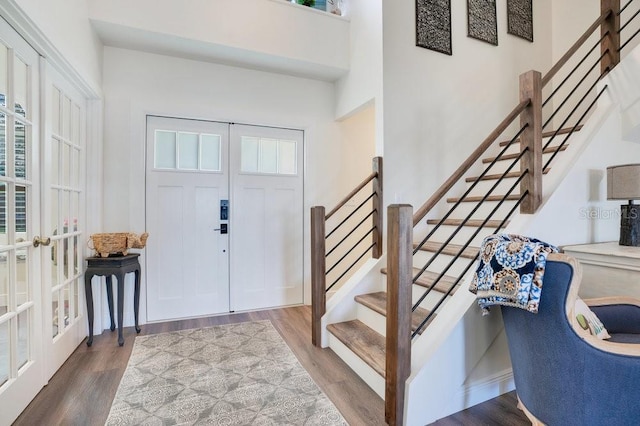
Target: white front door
21,355
224,212
188,251
266,217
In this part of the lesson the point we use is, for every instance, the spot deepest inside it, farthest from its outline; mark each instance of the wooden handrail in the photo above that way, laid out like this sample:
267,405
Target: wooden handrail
572,50
475,155
344,201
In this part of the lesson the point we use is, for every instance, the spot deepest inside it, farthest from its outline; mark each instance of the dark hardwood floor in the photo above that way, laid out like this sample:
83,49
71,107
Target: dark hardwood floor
82,391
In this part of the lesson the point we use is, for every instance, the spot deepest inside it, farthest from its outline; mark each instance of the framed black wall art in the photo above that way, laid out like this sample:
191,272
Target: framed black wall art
482,21
520,18
433,25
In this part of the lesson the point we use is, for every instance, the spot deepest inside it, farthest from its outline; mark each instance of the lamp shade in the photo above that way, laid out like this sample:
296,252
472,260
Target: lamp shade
623,182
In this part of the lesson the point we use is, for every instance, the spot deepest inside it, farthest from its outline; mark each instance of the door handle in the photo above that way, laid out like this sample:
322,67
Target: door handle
223,228
37,241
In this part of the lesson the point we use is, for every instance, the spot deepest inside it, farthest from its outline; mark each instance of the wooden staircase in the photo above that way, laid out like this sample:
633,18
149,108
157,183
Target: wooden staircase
364,337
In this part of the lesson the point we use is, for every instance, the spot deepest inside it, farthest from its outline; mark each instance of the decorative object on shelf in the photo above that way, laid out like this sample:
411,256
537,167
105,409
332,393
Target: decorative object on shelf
309,3
482,21
335,7
433,25
116,243
520,18
623,183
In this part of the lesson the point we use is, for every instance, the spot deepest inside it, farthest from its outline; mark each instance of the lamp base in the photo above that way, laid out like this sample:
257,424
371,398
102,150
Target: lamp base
630,225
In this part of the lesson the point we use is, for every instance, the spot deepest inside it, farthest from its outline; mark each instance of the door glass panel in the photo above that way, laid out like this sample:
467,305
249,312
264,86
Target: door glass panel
65,211
269,157
76,311
54,309
249,153
75,123
67,307
20,150
287,157
54,263
20,79
76,269
21,212
66,117
55,112
65,254
3,214
3,145
75,211
3,74
54,211
22,276
165,150
23,337
55,160
75,168
66,165
187,151
210,153
4,283
4,352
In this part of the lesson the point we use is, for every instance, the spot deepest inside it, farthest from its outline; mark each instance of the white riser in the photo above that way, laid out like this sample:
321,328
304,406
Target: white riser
502,165
461,238
484,186
515,147
371,318
361,368
440,263
463,210
430,301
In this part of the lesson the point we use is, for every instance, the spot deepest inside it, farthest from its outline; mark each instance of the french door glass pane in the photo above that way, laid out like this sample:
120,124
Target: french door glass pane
67,307
55,112
75,168
23,337
22,276
3,214
54,211
20,150
20,79
4,282
78,283
4,352
66,117
3,144
55,159
22,199
54,309
54,263
3,75
66,165
65,212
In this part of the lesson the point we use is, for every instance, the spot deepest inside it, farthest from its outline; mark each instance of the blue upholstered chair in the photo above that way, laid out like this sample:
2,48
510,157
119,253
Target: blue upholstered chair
565,376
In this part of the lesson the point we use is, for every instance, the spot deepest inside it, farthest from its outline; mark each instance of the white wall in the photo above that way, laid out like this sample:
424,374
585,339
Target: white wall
438,108
137,83
66,26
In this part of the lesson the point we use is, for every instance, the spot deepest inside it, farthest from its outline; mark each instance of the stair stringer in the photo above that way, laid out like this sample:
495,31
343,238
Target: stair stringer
439,367
341,305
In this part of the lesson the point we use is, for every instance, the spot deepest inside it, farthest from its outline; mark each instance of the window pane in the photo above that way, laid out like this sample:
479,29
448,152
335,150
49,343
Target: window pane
20,150
4,352
249,154
210,153
188,151
165,150
55,161
20,85
269,155
21,211
3,145
287,158
23,337
22,276
3,74
54,309
55,112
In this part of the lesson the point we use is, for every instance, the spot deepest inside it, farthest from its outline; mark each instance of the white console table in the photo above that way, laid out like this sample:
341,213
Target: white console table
608,269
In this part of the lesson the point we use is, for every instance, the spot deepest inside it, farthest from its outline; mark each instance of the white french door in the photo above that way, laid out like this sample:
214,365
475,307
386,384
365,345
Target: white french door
63,183
21,351
224,208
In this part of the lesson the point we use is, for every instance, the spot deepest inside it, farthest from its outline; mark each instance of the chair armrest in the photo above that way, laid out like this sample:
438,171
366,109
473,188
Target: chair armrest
618,314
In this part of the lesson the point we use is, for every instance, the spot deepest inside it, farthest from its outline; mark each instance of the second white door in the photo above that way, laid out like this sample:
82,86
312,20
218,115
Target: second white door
224,211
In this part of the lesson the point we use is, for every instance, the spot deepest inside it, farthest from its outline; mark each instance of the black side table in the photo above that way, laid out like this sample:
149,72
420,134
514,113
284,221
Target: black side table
108,266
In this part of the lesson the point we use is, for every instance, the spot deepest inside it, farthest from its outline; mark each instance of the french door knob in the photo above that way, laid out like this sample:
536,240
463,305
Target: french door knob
37,240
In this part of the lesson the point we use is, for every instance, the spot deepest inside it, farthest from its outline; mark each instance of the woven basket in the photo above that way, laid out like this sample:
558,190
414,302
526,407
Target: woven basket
109,243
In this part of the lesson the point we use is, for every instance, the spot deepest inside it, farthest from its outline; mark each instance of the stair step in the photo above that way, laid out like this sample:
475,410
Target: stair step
549,150
499,175
427,278
363,341
548,134
449,249
477,198
474,222
378,303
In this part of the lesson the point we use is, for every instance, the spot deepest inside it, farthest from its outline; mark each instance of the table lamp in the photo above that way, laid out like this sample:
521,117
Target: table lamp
623,183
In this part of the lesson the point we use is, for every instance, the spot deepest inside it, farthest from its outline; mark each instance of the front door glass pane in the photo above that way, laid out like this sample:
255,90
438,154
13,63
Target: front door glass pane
23,337
187,151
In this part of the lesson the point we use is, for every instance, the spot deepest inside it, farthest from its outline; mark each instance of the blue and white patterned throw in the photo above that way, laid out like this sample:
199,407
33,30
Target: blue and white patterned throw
510,272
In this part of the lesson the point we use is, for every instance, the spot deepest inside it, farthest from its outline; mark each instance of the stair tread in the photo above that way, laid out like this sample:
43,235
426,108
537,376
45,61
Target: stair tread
449,249
497,176
549,150
472,222
548,134
427,278
477,198
378,303
365,342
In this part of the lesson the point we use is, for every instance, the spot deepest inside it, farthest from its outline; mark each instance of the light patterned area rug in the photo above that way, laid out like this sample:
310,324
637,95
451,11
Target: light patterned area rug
236,374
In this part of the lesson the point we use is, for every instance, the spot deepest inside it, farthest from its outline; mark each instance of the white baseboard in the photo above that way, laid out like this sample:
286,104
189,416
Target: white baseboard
475,393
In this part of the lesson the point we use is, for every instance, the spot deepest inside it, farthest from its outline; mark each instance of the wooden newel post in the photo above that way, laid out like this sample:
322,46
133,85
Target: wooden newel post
378,216
610,27
399,277
531,138
318,274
